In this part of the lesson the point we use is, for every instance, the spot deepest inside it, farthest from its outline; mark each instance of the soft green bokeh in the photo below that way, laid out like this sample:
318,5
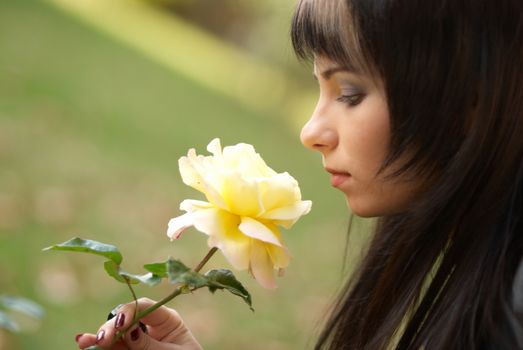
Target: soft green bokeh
90,134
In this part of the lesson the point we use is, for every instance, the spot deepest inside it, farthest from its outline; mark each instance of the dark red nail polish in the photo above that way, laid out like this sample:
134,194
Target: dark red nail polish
78,336
135,334
100,336
120,319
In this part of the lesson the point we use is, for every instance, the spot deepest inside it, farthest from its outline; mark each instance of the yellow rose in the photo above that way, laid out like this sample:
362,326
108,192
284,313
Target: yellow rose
246,203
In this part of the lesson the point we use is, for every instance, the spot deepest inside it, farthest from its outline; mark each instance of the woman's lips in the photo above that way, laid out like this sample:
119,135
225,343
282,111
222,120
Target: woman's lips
338,177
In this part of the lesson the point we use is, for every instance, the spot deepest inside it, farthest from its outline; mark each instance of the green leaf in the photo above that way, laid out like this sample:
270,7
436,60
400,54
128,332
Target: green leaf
22,305
88,246
115,271
149,278
175,268
177,272
7,323
225,279
159,269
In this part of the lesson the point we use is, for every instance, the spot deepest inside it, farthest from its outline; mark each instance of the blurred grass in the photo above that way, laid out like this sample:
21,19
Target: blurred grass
178,44
90,134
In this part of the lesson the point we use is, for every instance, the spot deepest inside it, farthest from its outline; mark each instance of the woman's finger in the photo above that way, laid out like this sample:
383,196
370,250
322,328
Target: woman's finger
87,339
138,340
163,324
104,338
160,323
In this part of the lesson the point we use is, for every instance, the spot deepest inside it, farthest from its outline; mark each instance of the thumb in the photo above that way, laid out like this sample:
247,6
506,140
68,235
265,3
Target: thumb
138,340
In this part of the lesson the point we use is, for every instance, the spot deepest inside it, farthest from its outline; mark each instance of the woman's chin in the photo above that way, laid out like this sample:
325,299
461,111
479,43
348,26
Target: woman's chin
360,210
368,210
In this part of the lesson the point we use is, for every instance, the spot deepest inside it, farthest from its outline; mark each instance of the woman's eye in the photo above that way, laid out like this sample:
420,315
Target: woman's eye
352,100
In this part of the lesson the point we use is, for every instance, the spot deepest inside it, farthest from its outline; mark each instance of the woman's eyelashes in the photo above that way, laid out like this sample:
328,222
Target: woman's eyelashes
350,94
352,99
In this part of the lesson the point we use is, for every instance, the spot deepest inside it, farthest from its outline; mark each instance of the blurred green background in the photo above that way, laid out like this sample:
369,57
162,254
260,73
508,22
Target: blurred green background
97,103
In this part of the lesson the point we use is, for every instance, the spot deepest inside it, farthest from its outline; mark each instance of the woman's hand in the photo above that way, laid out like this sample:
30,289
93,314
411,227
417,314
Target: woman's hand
165,331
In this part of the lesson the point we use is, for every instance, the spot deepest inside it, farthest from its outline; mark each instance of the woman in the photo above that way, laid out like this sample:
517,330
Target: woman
420,123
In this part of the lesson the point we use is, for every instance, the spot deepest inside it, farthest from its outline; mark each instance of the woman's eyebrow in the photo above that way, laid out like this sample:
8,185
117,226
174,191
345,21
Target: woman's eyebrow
329,72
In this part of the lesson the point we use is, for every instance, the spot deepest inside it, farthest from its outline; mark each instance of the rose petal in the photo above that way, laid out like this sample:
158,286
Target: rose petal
240,195
261,265
222,229
237,252
257,230
191,205
207,220
244,159
200,173
178,224
190,175
290,213
278,191
215,147
280,256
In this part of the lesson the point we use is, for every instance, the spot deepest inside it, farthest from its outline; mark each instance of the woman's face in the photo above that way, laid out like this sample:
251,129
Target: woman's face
350,128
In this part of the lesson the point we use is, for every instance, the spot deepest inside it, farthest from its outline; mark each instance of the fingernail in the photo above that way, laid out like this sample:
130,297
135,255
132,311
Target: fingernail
135,334
120,319
78,336
100,336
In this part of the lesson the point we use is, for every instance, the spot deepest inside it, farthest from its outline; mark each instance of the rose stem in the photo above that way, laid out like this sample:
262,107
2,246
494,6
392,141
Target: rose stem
205,259
128,282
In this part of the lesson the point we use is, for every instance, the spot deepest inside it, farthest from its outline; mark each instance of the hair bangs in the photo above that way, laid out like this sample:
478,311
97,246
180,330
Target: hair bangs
327,28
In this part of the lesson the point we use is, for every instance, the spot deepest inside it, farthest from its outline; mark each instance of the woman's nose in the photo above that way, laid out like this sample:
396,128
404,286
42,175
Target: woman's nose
317,135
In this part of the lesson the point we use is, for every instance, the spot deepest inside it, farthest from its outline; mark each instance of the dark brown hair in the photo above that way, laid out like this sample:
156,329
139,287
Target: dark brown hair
440,274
